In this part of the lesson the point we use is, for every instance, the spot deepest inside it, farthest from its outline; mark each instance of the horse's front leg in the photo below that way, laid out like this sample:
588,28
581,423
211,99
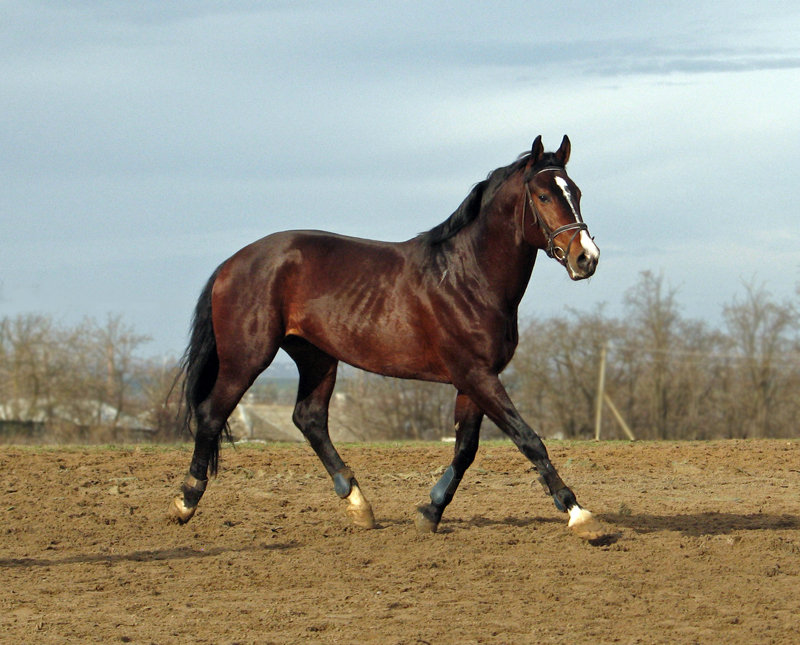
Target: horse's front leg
468,419
488,392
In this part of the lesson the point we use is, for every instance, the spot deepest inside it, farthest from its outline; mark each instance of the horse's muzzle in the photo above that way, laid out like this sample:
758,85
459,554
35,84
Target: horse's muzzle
585,266
582,263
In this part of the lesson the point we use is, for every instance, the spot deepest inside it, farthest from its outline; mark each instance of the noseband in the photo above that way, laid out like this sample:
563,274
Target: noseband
552,250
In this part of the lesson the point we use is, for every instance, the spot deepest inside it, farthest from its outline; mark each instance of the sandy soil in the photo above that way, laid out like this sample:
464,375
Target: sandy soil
709,548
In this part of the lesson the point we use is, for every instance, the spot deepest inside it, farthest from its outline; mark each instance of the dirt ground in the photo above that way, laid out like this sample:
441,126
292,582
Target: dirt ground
708,552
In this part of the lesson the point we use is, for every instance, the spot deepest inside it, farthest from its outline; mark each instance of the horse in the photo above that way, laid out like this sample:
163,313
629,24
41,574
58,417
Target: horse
441,307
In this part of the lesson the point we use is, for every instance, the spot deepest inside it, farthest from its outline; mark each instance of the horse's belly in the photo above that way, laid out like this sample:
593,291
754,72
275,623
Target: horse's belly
388,347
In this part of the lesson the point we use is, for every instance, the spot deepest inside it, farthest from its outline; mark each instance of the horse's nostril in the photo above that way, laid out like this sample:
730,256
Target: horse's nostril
585,264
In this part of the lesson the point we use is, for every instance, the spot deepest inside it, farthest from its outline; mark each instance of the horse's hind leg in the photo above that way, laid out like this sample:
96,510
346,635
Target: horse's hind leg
468,419
317,379
212,414
233,373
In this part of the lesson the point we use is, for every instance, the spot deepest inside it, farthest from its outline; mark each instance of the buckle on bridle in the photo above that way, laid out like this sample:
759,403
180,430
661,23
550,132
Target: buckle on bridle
553,250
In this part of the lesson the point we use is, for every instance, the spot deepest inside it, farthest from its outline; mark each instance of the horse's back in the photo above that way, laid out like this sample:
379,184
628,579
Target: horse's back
309,264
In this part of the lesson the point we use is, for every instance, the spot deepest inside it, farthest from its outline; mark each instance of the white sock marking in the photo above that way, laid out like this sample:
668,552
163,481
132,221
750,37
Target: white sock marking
578,515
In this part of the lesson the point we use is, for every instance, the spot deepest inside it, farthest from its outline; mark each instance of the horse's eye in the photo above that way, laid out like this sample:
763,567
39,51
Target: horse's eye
544,198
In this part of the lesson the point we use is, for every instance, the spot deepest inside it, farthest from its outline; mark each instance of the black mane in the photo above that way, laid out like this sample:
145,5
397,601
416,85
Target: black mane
480,195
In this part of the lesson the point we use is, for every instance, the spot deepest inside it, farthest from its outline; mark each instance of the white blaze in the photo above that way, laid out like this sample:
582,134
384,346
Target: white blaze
564,186
589,247
586,241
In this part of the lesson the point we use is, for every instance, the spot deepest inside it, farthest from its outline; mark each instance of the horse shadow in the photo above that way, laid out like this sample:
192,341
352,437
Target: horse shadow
688,524
700,524
154,555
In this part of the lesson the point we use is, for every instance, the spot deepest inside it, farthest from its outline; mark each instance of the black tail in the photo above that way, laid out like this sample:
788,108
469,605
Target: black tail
200,366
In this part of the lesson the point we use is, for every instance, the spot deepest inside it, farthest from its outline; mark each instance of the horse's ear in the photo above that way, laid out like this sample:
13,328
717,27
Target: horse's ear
537,150
562,156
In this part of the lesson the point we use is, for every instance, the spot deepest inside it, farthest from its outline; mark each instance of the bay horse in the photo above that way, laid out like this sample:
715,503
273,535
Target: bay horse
440,307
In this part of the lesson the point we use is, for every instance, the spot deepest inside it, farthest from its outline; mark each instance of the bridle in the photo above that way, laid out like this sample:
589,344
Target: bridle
554,251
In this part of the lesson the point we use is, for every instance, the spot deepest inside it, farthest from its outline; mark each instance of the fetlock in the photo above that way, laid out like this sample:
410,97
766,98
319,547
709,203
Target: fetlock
343,482
564,499
183,507
193,489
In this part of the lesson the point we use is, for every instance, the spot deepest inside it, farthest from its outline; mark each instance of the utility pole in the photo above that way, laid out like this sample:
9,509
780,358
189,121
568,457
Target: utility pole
601,384
602,397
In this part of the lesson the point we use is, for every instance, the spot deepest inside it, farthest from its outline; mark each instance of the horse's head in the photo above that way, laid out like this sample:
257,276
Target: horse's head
553,201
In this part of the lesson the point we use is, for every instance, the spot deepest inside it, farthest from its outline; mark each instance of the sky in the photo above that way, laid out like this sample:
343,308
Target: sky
143,143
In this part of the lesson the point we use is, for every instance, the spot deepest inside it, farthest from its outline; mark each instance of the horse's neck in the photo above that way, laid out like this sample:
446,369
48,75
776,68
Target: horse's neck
501,254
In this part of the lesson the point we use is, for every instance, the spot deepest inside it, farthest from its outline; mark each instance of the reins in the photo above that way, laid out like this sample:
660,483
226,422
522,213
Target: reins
551,249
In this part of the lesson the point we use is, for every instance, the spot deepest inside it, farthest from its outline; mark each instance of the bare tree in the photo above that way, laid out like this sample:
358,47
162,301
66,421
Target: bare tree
762,333
32,364
653,312
160,398
553,376
386,408
82,376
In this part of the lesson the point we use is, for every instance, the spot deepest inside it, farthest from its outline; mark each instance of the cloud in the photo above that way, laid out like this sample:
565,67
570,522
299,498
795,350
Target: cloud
637,60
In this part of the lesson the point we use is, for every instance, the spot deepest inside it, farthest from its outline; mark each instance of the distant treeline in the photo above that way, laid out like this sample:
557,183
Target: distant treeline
670,377
85,383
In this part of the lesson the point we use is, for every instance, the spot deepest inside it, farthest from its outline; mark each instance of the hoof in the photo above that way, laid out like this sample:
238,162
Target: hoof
424,524
361,517
587,527
179,512
359,510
